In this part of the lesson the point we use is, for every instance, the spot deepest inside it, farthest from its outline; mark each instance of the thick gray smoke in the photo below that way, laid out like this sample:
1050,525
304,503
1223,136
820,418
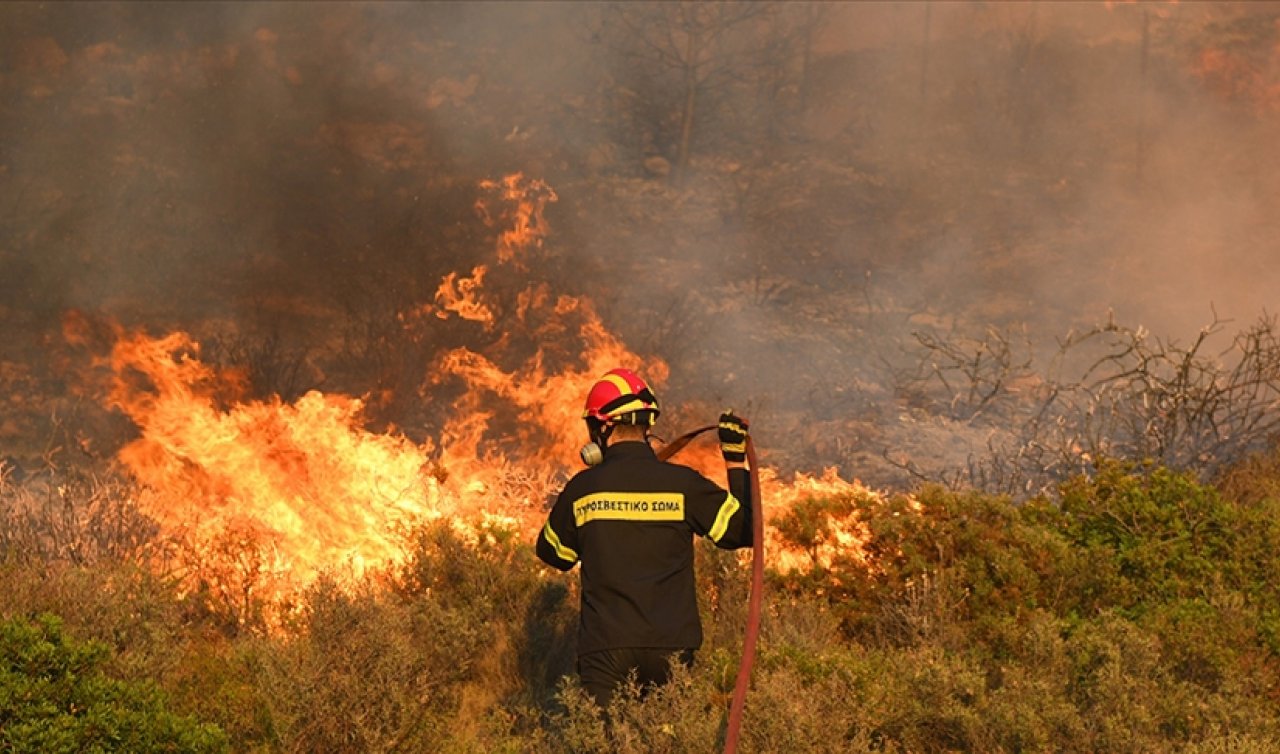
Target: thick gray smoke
848,174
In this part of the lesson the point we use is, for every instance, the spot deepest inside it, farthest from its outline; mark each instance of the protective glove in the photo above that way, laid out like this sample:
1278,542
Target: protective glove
733,437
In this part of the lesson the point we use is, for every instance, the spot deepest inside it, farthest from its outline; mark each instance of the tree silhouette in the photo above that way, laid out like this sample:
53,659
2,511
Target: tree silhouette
687,60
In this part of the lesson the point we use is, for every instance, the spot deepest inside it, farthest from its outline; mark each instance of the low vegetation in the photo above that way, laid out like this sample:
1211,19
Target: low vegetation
1135,610
54,696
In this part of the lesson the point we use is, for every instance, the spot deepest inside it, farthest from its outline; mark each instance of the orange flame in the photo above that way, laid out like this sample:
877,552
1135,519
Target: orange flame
525,204
846,532
780,497
549,402
288,491
458,295
301,479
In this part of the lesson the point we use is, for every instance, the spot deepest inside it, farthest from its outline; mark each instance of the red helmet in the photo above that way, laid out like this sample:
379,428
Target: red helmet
621,397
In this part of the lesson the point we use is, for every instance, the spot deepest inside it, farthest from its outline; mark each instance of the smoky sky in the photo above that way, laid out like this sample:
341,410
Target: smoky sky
948,165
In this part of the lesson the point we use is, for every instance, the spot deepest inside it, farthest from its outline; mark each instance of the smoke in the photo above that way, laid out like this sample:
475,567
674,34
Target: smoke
855,172
1114,181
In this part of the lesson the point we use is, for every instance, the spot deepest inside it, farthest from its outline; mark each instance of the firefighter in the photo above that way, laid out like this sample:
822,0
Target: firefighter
630,519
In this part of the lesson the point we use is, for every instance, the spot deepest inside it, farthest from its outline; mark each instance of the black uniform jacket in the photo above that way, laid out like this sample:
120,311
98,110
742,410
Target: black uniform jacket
631,521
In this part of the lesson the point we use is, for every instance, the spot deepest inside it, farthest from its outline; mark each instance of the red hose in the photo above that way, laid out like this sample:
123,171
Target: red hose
677,444
757,585
753,609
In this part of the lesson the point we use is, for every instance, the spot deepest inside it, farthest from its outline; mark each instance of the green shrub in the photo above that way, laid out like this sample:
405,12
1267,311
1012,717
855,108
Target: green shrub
1139,612
524,615
54,697
226,680
940,558
1159,534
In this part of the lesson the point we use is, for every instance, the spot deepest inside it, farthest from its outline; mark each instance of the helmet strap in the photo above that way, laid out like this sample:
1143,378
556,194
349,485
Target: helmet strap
601,435
593,452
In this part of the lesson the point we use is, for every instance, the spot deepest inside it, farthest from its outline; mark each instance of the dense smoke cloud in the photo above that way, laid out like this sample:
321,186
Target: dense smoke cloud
1103,179
854,172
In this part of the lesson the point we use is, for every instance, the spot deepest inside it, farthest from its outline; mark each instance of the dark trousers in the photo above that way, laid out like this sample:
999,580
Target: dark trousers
604,671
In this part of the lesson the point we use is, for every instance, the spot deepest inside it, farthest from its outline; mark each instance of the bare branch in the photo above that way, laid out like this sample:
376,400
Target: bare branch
1110,391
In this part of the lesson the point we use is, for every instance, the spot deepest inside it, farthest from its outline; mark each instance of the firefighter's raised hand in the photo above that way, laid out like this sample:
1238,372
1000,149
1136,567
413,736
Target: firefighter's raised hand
733,437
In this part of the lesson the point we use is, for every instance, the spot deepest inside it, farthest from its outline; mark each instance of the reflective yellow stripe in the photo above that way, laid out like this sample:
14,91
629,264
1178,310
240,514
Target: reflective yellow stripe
629,506
626,408
562,552
734,447
727,509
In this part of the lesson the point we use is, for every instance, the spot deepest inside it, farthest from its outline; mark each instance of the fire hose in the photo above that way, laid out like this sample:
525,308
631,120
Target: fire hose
757,585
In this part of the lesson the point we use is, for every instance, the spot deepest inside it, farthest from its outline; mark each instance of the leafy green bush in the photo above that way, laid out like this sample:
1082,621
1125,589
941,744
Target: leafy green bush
1155,534
54,697
937,558
1137,611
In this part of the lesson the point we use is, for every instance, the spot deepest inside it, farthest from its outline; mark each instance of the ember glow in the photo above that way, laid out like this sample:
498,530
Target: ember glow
267,494
1238,78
